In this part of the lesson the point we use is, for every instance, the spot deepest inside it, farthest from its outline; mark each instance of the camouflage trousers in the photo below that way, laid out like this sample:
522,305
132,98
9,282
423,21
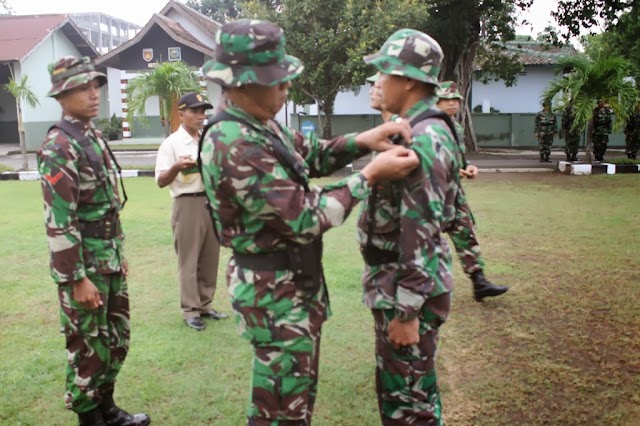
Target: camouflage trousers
463,236
632,144
545,142
406,382
97,341
600,146
571,144
283,324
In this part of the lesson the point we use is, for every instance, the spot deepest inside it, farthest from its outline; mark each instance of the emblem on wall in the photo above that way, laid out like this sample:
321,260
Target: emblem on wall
175,54
147,54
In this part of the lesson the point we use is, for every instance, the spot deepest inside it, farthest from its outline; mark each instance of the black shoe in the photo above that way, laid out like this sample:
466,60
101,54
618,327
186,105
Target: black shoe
574,157
91,418
483,288
213,314
568,157
114,416
196,323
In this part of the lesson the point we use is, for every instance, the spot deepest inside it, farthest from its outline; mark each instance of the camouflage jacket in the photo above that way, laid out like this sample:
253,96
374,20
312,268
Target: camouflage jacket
545,123
410,218
256,206
601,121
632,129
567,122
73,194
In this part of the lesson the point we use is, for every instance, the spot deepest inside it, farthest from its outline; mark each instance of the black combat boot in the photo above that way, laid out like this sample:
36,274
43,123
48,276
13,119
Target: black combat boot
114,416
91,418
546,157
541,157
483,288
568,157
574,157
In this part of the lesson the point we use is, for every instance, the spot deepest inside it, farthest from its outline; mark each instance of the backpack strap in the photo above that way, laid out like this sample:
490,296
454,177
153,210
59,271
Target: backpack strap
92,156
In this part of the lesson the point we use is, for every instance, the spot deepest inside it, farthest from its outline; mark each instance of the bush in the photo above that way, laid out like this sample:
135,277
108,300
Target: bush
111,128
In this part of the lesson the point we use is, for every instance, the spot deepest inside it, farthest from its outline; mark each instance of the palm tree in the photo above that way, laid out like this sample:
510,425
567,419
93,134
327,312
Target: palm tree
23,93
605,78
168,81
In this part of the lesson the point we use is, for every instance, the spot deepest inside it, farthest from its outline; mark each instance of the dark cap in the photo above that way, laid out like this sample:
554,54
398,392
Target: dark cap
193,100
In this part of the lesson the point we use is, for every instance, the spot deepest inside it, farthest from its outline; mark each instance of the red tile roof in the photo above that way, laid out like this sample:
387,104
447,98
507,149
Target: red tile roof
21,34
536,53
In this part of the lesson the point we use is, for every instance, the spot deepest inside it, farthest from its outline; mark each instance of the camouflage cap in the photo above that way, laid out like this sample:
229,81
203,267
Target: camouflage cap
373,78
70,72
250,51
411,54
449,90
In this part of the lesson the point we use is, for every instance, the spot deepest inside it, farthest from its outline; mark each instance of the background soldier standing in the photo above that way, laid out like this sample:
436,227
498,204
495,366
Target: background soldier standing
545,128
407,279
632,135
256,173
571,137
601,129
82,206
195,243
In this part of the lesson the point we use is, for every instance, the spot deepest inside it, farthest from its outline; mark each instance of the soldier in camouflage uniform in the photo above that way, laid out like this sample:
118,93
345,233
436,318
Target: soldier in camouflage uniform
255,173
571,137
601,129
82,205
632,135
463,233
545,128
407,279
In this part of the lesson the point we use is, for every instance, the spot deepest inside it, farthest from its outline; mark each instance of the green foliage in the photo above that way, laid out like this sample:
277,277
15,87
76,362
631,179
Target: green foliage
110,127
219,10
168,81
21,91
574,16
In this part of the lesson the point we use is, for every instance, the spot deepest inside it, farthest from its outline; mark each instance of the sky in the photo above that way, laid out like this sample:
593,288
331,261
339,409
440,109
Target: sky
139,12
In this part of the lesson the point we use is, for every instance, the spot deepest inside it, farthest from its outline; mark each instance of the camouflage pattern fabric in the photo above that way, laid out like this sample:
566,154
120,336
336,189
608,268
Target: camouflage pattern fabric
409,53
545,129
97,341
571,138
250,51
410,219
258,208
449,90
406,382
70,72
632,136
73,194
602,121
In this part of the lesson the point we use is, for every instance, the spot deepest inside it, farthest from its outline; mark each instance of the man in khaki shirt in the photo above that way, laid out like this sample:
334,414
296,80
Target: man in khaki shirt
194,240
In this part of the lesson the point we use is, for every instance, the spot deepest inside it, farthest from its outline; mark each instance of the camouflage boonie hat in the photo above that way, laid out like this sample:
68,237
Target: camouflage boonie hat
250,51
70,72
411,54
449,90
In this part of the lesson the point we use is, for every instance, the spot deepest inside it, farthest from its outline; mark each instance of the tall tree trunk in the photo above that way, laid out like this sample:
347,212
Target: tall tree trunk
589,145
22,137
463,75
174,117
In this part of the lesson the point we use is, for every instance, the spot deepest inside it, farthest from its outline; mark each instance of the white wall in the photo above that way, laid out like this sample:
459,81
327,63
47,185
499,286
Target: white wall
524,97
350,103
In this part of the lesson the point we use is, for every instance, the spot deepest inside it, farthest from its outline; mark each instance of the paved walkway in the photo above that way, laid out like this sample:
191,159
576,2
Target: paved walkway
498,159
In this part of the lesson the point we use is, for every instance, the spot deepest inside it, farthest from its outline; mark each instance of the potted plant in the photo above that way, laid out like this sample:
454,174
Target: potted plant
111,128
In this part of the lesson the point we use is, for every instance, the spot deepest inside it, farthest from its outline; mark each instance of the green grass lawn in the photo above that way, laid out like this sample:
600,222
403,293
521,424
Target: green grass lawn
561,348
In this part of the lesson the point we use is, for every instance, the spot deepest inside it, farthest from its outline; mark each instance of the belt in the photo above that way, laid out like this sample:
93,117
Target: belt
103,229
193,194
273,261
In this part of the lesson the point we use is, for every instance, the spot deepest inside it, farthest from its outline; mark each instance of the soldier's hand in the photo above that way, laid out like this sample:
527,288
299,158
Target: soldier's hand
125,268
379,138
404,333
86,293
393,164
